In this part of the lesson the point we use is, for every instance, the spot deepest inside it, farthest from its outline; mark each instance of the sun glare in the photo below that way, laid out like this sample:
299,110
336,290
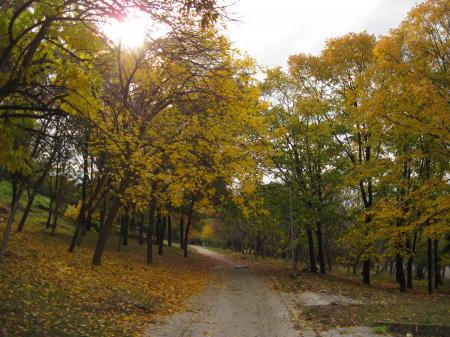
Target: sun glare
129,31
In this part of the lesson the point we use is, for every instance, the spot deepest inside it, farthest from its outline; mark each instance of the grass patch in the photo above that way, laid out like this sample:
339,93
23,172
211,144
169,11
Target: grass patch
379,330
41,202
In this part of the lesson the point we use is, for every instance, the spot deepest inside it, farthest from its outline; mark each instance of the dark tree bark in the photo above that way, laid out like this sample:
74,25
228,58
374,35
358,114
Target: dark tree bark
107,226
132,224
367,261
28,206
85,205
162,231
17,192
37,185
90,212
420,272
312,258
188,226
367,197
53,195
126,222
296,254
409,266
169,230
103,214
437,267
328,253
50,211
57,208
399,270
119,242
141,229
151,228
366,271
75,236
430,265
320,254
81,219
400,273
181,232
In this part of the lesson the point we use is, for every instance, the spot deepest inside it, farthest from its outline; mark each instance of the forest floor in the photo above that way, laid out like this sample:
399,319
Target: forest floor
47,291
256,298
340,300
240,303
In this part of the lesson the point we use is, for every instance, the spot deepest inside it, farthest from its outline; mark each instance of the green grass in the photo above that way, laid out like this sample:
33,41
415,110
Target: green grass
5,197
38,214
5,193
379,330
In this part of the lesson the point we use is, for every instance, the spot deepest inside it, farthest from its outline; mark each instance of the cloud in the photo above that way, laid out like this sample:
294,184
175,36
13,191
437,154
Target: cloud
271,30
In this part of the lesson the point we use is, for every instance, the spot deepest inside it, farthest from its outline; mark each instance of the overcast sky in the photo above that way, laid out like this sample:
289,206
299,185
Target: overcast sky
271,30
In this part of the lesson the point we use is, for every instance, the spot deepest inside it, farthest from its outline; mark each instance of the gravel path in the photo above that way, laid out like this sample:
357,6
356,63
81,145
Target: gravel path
243,305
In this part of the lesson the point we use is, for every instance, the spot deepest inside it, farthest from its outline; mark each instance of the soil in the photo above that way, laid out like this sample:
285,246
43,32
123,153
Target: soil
241,305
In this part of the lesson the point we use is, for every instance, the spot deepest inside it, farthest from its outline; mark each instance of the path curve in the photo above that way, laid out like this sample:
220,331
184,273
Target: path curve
243,305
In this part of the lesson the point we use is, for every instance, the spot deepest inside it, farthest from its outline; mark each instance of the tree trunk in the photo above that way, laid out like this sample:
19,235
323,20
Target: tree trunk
107,226
409,265
119,242
90,212
80,223
132,220
91,207
320,254
430,266
50,212
436,264
366,271
53,196
35,189
297,254
312,258
102,214
126,222
409,273
169,230
328,253
75,236
151,228
141,229
27,210
15,201
410,262
160,239
400,273
188,226
181,232
84,207
420,272
55,219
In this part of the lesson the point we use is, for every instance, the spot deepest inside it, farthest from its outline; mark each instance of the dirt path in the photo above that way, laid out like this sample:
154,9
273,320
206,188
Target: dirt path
243,305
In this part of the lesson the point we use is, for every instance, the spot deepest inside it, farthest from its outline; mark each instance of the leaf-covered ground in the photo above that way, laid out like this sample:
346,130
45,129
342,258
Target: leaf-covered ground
380,302
46,291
